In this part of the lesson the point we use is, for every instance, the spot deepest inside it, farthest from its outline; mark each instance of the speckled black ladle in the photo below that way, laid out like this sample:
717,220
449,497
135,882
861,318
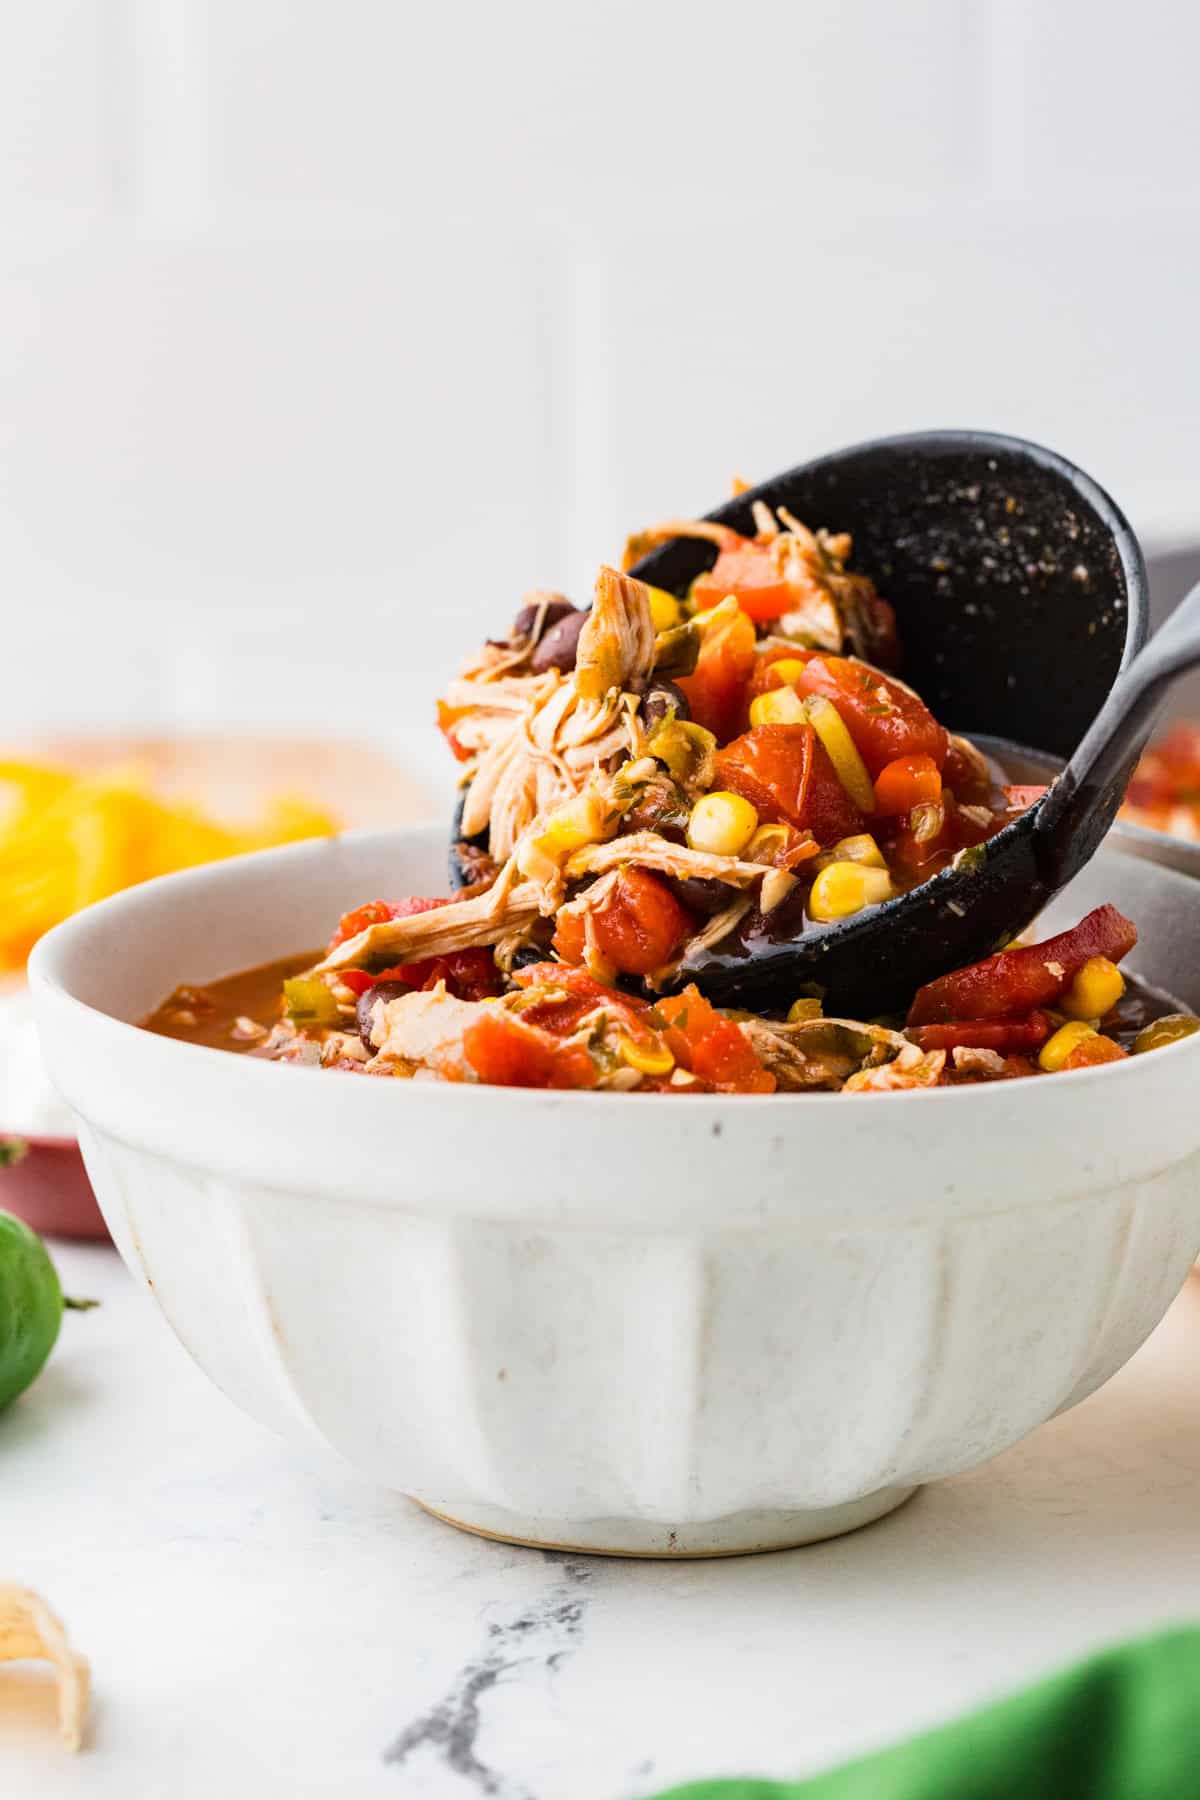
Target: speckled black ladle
1020,592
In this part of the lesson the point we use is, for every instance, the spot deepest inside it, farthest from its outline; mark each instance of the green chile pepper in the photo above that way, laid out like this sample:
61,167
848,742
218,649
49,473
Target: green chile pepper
31,1306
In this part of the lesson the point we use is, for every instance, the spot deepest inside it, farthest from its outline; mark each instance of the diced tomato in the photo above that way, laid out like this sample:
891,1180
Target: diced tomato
1021,798
378,912
711,1047
1018,981
716,687
357,980
748,572
906,782
507,1052
1090,1052
638,929
765,677
1029,1033
785,773
583,995
885,719
468,974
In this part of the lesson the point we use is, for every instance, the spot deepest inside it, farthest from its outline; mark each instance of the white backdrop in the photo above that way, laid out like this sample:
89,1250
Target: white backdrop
325,329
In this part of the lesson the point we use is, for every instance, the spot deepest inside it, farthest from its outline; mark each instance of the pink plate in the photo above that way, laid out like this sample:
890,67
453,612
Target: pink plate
49,1189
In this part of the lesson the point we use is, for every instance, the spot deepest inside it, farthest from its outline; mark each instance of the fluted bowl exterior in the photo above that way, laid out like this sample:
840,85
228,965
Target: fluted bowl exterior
623,1322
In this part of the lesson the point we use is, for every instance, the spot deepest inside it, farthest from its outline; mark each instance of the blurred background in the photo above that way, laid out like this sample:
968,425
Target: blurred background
325,331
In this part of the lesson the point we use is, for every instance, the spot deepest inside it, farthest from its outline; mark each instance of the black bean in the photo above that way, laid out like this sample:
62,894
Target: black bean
700,895
551,613
659,699
383,990
557,648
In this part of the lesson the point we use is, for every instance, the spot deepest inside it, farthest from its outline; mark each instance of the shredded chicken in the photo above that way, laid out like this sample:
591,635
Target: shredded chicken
839,1046
833,605
646,850
718,927
794,1071
616,645
911,1069
425,1030
538,739
459,925
971,1060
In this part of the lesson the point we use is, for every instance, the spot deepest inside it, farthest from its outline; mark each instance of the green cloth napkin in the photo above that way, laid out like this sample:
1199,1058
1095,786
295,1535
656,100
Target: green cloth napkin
1123,1726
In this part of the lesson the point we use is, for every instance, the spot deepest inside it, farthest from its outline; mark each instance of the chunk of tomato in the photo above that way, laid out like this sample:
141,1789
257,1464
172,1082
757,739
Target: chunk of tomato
468,974
506,1052
379,912
581,995
639,928
885,718
715,689
749,572
786,774
711,1047
1090,1052
905,782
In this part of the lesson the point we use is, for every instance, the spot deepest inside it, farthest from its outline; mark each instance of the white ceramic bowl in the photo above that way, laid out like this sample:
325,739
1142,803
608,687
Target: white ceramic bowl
661,1326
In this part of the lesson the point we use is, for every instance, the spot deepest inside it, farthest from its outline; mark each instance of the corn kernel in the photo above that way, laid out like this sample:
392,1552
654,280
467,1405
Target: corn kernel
766,843
845,888
722,824
1167,1030
861,848
1095,990
849,766
1055,1051
588,819
779,706
665,610
647,1059
788,669
804,1008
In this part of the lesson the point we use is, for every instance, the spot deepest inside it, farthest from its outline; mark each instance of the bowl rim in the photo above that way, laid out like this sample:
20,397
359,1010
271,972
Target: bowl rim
45,976
1157,841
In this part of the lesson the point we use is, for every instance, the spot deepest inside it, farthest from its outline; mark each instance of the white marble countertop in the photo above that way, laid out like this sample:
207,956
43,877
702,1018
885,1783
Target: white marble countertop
262,1622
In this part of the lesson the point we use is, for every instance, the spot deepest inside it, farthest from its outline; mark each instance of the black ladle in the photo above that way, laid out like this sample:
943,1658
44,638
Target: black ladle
878,959
1020,592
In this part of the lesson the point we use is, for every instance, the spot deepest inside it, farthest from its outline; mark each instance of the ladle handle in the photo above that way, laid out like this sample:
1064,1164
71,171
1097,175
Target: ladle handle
1077,810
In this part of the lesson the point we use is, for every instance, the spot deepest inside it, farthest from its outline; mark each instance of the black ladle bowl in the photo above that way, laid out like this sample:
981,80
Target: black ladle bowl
1020,593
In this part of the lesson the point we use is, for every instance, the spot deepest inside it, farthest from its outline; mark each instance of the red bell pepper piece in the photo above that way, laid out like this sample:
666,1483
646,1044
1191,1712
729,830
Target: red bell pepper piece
1015,982
1004,1035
